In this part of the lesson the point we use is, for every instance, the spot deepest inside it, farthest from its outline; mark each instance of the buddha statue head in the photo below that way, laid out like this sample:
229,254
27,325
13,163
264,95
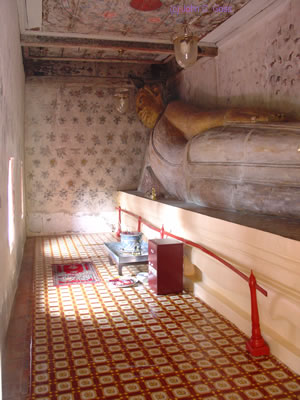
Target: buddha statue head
149,105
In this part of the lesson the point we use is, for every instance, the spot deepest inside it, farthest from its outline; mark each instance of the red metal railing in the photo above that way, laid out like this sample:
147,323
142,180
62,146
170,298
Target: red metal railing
188,242
256,345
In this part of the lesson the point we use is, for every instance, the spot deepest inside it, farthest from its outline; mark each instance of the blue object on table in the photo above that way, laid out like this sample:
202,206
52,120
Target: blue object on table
131,242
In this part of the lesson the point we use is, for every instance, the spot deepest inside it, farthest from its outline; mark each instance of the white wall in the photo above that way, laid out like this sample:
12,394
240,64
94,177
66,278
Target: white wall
11,145
257,65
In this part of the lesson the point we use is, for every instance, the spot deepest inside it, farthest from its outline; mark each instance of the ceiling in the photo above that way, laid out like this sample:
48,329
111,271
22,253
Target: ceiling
57,35
117,19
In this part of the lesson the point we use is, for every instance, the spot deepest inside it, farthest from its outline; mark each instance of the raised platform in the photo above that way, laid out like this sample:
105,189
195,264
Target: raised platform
270,247
286,227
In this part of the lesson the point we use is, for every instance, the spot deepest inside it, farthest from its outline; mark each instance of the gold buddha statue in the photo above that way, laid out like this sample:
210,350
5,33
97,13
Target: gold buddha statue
189,119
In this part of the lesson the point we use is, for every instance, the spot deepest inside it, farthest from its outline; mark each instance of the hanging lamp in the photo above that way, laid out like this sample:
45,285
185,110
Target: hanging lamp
185,44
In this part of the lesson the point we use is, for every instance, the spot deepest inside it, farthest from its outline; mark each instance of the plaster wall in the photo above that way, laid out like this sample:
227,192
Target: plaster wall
11,146
79,151
273,259
257,65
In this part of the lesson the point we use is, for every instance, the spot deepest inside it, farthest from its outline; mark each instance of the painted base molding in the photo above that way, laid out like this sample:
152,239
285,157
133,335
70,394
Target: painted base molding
39,224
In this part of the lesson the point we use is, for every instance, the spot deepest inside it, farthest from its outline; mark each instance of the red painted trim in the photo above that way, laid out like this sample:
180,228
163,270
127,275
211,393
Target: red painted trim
198,246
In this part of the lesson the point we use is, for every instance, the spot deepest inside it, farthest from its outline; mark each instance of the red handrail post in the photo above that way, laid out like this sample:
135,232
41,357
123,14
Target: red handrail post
118,233
139,224
256,345
162,232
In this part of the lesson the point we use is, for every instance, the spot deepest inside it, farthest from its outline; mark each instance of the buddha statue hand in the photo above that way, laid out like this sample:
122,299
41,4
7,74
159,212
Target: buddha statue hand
246,116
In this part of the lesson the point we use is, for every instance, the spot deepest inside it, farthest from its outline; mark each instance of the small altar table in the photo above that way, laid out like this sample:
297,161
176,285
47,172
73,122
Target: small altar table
122,259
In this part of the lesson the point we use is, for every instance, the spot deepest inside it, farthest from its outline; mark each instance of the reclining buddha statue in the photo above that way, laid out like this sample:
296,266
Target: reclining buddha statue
233,159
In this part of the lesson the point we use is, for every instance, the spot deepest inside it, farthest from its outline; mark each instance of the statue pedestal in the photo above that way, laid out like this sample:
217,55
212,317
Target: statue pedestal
274,259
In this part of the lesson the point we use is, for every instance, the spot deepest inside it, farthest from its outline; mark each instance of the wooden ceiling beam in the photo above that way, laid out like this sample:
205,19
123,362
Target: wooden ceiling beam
95,44
96,60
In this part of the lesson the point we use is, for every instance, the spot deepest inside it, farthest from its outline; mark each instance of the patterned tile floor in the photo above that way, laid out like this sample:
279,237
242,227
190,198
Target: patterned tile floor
98,342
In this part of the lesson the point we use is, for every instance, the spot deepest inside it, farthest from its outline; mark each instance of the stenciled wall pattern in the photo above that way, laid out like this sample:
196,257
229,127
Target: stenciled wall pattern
79,152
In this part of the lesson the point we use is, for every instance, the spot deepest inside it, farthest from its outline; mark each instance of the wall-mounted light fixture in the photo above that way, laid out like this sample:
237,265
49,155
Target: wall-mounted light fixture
122,100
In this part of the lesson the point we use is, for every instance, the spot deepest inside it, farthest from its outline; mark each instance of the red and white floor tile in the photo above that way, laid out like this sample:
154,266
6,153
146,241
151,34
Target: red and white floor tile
92,341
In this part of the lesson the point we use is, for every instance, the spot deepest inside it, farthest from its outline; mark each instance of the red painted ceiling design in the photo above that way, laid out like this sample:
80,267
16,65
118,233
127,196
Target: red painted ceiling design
146,5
